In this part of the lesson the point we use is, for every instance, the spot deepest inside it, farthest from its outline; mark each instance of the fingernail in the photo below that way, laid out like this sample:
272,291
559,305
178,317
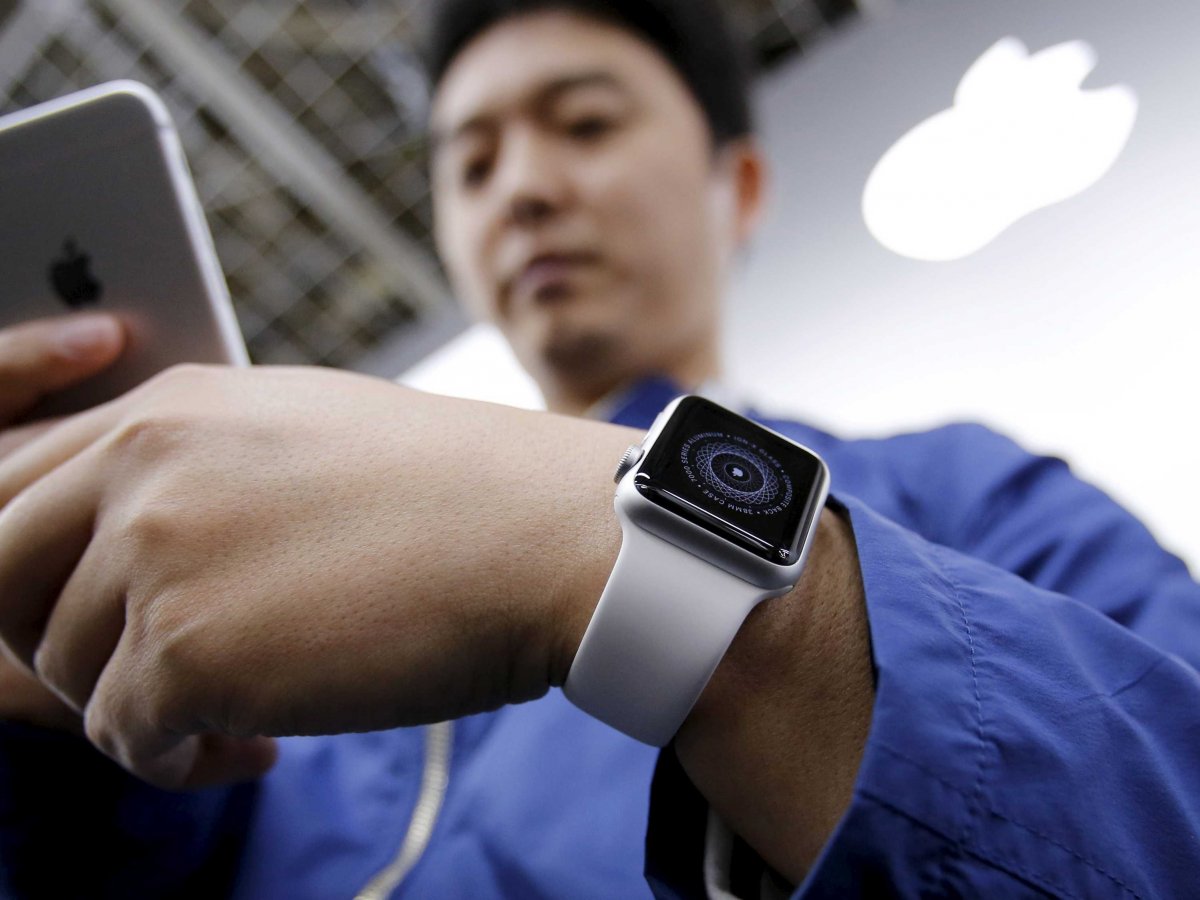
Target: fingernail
85,336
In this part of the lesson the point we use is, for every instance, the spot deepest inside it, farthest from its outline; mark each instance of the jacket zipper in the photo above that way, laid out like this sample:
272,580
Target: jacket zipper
435,777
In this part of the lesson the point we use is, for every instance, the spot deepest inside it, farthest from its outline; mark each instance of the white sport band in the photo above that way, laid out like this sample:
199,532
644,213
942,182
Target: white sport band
637,669
717,514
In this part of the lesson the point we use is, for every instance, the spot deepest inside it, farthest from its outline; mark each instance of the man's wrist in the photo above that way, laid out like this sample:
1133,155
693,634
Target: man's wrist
775,741
592,540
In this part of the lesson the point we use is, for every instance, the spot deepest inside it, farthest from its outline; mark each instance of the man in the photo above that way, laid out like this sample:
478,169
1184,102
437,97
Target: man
983,683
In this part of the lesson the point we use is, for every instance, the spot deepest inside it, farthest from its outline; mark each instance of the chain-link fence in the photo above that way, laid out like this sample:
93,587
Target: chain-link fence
304,127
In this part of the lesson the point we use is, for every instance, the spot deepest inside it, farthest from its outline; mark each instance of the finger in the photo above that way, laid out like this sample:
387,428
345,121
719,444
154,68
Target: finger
43,535
198,761
221,760
24,698
84,626
45,452
142,724
12,438
41,357
126,718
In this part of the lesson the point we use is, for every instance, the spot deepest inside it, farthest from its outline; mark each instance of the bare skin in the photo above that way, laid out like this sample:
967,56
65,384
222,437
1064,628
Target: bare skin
160,605
35,360
204,564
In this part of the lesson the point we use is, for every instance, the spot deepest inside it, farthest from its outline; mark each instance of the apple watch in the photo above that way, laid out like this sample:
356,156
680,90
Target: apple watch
717,514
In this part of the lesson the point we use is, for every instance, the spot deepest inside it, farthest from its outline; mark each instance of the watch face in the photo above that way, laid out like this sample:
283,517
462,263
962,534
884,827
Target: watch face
727,474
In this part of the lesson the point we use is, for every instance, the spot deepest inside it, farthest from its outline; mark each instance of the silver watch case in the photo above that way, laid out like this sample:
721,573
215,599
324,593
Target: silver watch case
634,510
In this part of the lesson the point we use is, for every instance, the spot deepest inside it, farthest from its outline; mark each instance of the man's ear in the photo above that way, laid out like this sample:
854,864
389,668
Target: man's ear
748,175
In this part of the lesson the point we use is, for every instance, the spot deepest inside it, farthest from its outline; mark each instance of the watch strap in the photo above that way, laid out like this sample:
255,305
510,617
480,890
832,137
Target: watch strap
662,625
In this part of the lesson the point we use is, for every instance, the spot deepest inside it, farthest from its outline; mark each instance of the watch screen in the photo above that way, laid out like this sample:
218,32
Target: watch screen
727,474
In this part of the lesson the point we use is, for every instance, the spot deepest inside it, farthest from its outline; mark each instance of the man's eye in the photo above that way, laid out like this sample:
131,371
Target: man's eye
590,127
475,172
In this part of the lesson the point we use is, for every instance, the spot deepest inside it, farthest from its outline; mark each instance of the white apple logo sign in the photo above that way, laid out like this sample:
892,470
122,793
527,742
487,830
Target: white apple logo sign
1022,135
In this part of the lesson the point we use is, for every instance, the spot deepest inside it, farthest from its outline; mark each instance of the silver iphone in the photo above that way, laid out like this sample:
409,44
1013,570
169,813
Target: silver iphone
98,212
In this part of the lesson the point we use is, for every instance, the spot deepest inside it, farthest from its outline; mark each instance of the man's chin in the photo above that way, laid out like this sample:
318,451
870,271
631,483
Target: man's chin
584,358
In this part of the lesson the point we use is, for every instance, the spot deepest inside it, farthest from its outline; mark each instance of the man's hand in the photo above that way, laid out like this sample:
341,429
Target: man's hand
36,359
222,554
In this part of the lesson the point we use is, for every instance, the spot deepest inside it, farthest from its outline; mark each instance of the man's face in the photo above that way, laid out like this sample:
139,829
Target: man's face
578,202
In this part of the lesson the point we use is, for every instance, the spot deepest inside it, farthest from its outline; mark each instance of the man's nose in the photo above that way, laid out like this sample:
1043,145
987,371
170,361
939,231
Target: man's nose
533,189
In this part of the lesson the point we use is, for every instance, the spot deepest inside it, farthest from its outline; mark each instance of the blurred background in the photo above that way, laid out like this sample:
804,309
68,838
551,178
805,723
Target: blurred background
304,124
1073,329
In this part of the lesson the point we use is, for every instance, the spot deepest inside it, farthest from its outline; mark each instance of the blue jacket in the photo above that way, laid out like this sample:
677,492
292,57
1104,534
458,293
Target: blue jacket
1036,731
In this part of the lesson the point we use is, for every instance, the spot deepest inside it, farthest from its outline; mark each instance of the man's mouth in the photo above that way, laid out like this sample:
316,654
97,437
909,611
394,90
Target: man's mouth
550,276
